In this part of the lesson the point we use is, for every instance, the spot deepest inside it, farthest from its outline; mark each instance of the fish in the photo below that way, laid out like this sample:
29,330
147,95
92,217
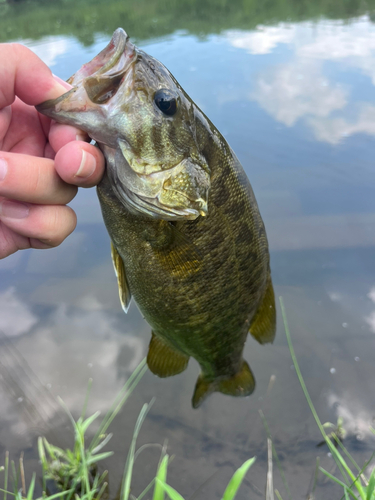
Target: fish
187,239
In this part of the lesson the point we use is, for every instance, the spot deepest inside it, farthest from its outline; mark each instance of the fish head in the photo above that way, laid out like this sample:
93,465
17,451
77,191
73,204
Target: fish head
144,122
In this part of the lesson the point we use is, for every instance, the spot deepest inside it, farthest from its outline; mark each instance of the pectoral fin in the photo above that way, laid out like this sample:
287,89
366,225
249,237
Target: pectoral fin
263,326
123,287
239,385
163,360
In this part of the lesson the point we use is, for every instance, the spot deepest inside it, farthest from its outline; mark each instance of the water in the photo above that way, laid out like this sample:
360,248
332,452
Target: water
292,89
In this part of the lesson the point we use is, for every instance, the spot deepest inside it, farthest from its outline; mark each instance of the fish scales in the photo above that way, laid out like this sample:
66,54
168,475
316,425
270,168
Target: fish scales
189,243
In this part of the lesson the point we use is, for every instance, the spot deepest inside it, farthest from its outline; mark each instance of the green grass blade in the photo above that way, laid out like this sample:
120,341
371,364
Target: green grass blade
30,492
43,460
6,472
337,481
102,444
99,456
344,469
58,495
51,450
339,443
162,476
6,492
171,492
125,487
119,401
73,422
237,478
101,491
278,495
86,424
15,477
371,485
146,490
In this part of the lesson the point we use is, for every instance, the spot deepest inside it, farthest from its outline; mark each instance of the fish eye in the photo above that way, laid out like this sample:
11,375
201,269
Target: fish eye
166,101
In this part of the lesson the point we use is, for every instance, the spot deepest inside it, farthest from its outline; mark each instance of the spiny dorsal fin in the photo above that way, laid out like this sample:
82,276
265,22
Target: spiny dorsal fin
241,384
263,326
123,287
163,360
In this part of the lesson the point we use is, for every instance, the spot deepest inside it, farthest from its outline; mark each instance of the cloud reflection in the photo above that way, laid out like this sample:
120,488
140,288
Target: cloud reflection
370,319
356,423
301,89
292,91
263,39
16,318
71,345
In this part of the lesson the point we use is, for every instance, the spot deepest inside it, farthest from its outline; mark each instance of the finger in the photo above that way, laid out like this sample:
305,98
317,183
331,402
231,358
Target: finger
24,133
32,179
10,241
60,135
24,74
80,163
50,224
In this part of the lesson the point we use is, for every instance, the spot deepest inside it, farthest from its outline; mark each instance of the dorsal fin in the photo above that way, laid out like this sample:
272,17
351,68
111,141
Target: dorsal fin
123,287
163,360
263,326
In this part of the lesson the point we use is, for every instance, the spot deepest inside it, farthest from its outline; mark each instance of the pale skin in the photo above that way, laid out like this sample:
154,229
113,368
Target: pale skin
42,163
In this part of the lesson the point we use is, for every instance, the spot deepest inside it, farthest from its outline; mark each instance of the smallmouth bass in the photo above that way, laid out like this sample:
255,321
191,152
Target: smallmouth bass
188,241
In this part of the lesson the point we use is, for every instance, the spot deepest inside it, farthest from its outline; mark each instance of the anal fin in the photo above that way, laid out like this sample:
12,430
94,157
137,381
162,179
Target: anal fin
163,360
123,287
241,384
263,326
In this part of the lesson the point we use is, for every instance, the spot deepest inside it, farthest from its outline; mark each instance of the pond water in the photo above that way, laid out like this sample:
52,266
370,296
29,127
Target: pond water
292,88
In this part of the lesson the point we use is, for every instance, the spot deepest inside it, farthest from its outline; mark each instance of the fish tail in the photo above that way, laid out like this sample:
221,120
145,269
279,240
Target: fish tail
241,384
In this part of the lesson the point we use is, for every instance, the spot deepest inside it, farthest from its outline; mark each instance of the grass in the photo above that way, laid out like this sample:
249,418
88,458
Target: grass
354,483
75,472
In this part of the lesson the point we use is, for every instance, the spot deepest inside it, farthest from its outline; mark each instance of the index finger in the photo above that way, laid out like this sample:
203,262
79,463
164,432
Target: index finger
24,75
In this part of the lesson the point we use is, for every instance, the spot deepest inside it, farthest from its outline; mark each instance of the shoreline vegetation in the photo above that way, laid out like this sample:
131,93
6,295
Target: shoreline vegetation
74,473
145,19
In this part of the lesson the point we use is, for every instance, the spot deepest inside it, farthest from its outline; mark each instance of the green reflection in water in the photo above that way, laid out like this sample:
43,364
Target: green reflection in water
147,18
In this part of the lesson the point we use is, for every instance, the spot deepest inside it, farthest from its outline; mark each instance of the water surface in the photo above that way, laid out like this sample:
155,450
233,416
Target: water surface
291,87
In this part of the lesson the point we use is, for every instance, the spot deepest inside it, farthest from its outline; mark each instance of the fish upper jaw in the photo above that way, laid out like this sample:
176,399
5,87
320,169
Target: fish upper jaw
88,104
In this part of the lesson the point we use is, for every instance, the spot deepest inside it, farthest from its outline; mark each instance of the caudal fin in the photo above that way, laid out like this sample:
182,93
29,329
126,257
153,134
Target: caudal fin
241,384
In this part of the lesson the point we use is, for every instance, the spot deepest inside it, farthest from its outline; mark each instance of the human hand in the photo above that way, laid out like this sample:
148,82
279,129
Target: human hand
41,163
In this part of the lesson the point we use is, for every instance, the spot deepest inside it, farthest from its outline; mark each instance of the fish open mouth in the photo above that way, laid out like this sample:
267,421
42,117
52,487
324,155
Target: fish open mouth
97,81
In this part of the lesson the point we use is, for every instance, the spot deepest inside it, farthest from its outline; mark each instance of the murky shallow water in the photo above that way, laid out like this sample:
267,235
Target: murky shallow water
296,102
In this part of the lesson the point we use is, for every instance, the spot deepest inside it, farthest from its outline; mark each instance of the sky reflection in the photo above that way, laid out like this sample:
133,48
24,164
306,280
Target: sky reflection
304,87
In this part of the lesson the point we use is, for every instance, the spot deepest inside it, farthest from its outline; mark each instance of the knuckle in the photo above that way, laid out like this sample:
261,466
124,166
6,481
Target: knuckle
57,225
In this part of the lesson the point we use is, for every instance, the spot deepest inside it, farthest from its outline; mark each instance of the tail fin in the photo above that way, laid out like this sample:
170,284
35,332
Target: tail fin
241,384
